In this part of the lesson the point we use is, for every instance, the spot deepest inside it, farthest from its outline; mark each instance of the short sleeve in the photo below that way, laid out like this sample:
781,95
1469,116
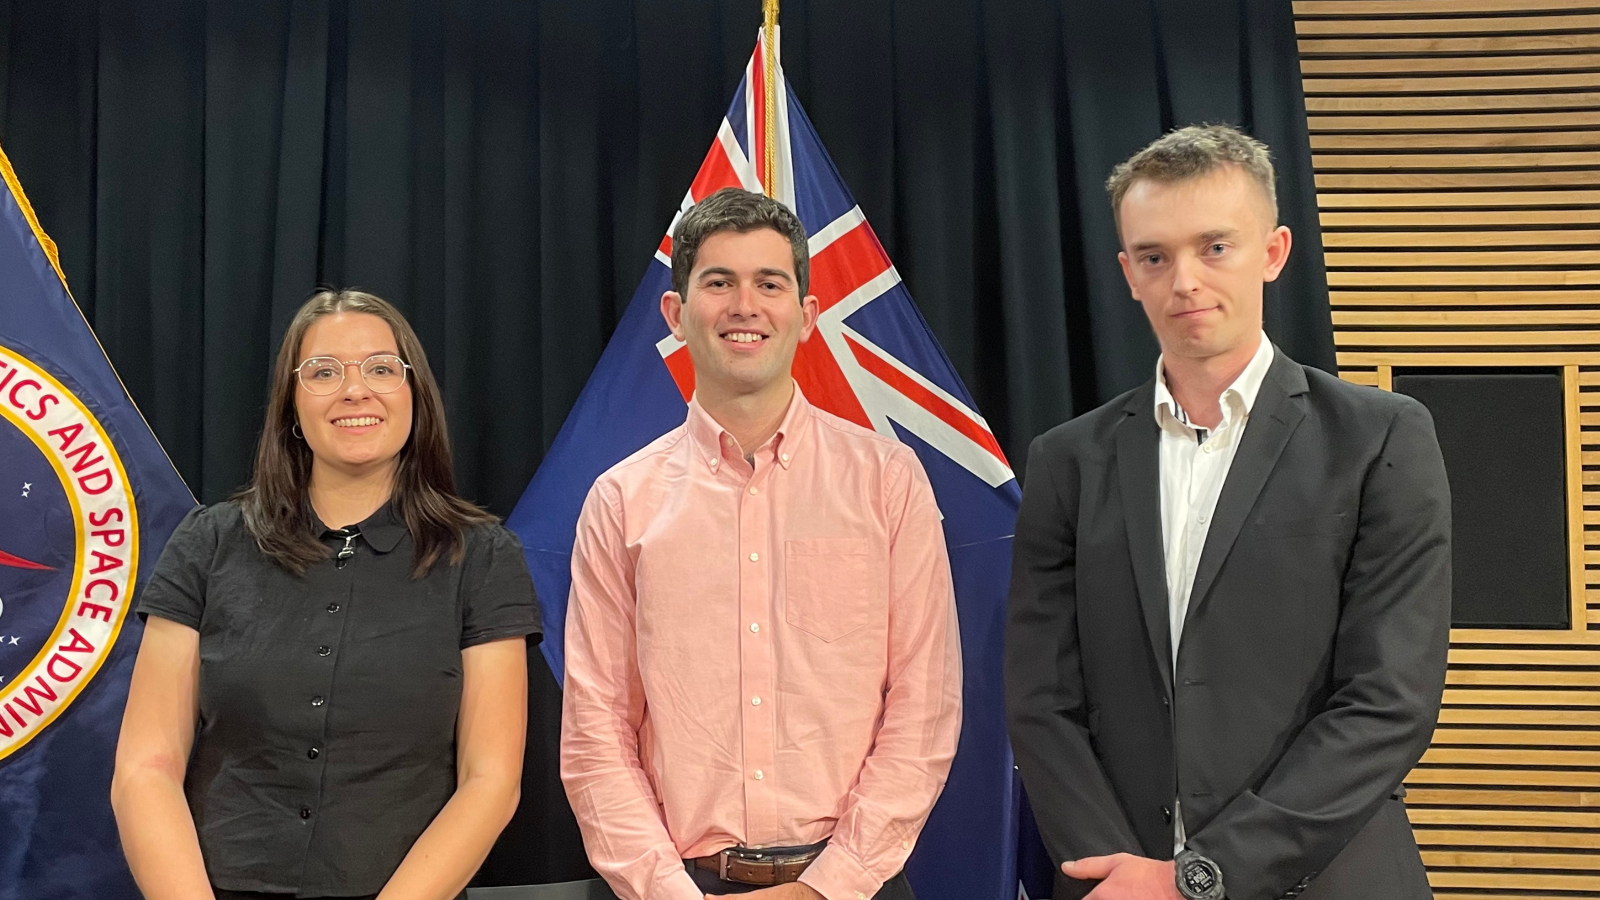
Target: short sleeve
177,588
499,601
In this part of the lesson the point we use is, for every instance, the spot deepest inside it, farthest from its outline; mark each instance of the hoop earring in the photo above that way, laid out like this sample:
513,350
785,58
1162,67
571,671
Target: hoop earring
295,430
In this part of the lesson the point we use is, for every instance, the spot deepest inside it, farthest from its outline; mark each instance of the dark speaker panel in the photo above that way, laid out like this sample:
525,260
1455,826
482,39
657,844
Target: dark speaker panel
1503,436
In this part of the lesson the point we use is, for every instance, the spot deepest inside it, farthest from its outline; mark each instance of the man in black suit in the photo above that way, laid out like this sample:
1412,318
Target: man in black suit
1230,598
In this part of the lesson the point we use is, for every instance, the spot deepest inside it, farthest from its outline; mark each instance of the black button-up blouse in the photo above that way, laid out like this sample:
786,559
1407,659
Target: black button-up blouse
326,740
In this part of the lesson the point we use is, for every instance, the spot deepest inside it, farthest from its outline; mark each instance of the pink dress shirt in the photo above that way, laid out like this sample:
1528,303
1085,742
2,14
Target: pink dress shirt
760,656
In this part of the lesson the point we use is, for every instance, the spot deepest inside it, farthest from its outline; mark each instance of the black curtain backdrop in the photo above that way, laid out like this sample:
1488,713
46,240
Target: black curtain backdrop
502,170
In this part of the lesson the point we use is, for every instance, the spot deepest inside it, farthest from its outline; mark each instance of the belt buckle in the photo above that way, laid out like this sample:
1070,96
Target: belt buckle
741,853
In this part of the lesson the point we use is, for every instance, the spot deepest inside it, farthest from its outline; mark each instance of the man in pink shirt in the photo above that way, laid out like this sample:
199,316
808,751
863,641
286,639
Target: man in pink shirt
763,671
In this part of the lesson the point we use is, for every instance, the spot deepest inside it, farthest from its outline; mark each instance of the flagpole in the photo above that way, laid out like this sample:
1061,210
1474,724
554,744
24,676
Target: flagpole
769,25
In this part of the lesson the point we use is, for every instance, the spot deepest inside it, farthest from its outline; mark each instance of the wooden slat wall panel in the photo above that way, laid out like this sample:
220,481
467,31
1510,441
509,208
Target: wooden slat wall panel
1456,147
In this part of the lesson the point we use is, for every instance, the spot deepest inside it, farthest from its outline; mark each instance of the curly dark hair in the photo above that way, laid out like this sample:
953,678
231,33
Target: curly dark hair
736,209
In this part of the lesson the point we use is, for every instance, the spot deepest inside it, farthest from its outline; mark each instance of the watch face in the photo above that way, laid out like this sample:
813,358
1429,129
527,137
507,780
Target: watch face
1199,878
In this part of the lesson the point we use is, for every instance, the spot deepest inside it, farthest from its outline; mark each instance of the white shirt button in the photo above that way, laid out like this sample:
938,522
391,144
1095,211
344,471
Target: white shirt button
755,701
753,489
755,557
755,626
1202,520
759,775
1209,447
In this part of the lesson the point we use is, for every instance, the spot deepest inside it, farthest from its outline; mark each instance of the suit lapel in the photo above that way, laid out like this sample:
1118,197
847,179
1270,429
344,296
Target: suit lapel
1277,412
1139,470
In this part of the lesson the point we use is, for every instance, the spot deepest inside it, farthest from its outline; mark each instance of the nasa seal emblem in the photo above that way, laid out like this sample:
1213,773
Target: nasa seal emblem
69,548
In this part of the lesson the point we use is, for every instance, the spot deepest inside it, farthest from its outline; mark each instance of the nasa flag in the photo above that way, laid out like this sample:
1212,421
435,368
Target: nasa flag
873,361
87,499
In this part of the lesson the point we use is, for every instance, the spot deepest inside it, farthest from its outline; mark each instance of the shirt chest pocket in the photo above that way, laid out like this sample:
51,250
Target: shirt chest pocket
827,585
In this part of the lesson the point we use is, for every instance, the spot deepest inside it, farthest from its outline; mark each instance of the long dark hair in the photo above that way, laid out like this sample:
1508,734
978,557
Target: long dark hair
275,503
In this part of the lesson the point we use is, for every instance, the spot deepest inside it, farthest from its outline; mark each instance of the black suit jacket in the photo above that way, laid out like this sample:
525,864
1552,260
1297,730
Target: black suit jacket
1312,660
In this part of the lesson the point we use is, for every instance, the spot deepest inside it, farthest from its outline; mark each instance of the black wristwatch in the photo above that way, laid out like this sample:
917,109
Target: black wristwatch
1198,877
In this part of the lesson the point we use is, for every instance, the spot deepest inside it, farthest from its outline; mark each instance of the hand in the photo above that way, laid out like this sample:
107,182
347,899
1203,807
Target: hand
791,891
1123,876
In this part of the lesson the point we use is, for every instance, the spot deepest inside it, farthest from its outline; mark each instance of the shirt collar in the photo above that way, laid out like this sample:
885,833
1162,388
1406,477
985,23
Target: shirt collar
1244,389
712,441
382,530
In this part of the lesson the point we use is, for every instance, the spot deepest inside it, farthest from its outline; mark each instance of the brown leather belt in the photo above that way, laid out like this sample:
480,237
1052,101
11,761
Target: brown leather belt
759,867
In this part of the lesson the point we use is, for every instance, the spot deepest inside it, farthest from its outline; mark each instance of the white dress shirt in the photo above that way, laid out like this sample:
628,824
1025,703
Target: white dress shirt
1194,466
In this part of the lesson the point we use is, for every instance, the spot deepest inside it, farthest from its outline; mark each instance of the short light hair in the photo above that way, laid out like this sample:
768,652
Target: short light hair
735,209
1194,151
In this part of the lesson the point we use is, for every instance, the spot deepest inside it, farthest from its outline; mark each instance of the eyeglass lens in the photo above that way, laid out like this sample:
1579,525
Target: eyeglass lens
324,374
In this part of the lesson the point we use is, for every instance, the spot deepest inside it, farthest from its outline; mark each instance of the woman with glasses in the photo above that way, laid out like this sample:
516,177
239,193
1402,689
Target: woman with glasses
331,695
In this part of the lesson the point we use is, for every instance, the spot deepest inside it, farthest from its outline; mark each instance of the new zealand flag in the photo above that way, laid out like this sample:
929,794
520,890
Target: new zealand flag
876,364
87,499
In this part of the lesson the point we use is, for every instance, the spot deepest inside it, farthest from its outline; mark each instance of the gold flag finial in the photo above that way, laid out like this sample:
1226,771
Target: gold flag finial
769,71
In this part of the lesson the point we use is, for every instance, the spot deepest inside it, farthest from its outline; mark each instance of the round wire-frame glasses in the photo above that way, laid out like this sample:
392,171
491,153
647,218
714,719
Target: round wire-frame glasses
383,373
